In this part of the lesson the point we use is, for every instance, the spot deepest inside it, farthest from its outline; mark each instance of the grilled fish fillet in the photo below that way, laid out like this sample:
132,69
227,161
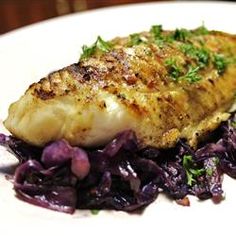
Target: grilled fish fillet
150,82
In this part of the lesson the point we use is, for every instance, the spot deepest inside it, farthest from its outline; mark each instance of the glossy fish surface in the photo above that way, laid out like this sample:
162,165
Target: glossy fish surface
164,85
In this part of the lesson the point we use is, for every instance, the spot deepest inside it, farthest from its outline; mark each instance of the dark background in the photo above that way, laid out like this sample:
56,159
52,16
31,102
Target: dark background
18,13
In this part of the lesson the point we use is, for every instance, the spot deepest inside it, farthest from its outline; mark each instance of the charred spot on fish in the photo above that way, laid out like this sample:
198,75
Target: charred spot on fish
137,108
86,76
75,71
111,68
130,79
151,84
83,73
102,104
86,73
74,68
44,95
211,81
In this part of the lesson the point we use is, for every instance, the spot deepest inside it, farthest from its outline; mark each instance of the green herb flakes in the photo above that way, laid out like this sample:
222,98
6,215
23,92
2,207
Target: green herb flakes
159,38
201,55
220,63
173,69
87,51
192,170
202,30
165,39
135,39
181,34
184,34
156,31
177,74
103,45
192,75
100,44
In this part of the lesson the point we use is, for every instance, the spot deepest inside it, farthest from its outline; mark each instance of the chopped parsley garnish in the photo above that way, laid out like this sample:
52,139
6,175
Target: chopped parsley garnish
156,31
135,39
200,54
184,34
202,30
163,39
220,63
103,45
203,57
192,170
176,72
188,49
173,69
159,38
87,51
181,34
100,44
192,75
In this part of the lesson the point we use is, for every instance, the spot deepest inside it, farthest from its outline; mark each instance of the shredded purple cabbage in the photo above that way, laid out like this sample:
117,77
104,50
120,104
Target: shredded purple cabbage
121,176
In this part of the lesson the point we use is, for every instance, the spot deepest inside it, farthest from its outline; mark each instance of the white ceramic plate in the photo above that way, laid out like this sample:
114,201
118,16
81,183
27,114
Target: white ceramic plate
30,53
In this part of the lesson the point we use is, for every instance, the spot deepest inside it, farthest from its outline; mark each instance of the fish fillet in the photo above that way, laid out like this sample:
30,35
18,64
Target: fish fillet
163,85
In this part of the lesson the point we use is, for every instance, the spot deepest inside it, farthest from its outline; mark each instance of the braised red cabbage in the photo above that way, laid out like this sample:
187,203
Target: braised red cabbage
121,175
